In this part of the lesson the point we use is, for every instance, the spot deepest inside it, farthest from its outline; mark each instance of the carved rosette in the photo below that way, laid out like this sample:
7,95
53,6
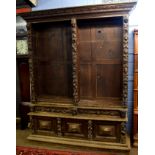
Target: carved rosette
75,61
123,133
125,61
90,130
32,86
59,127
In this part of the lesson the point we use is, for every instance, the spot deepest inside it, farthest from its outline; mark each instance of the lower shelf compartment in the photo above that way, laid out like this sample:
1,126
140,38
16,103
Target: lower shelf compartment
82,143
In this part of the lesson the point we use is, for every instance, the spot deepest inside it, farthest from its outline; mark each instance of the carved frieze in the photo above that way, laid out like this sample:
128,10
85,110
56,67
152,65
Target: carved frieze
108,8
99,112
76,111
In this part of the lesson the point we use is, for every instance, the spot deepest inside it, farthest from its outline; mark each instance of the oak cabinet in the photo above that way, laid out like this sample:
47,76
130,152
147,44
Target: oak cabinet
79,75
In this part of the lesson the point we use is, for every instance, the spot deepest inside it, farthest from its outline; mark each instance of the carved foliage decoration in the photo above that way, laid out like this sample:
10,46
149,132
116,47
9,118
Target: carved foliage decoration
123,132
90,130
125,60
32,86
59,127
75,61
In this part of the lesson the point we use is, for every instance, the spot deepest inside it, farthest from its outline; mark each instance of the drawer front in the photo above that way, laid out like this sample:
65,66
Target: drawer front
74,128
45,126
106,131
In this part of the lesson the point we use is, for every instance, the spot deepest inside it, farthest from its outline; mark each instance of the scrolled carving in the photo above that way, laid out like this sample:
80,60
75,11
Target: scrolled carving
52,109
99,112
125,61
90,130
123,132
75,61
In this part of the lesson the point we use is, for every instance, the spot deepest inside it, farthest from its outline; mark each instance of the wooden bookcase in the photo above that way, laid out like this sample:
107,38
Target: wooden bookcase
79,76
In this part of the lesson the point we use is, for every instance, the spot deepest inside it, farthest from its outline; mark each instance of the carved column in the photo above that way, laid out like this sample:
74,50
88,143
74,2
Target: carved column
123,132
90,130
125,60
75,61
32,86
59,127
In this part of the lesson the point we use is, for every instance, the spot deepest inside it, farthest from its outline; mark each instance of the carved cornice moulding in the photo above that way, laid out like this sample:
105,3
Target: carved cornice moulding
80,11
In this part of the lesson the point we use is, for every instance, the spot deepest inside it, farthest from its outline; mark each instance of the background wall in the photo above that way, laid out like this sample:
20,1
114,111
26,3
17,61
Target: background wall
133,23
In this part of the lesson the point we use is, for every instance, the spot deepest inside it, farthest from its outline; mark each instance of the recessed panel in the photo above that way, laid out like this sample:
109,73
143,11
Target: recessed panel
53,59
108,81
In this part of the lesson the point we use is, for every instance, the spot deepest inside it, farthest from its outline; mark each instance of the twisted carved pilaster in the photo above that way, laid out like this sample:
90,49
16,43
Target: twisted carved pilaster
125,60
75,61
123,132
90,130
32,86
59,127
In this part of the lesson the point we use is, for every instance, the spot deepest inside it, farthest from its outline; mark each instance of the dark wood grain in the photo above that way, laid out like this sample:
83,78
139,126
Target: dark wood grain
100,47
52,59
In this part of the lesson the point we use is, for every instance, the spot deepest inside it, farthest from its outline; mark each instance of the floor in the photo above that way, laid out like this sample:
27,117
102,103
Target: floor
22,141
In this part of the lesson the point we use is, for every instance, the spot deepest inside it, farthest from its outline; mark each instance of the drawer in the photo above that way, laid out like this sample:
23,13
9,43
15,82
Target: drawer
106,131
74,128
45,126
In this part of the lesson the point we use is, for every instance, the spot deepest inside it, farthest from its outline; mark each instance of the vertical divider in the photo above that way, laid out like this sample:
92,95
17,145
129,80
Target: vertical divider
75,62
125,60
31,67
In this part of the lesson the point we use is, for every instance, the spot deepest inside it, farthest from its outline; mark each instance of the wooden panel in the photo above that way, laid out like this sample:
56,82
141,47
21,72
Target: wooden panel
100,44
45,126
106,42
106,131
108,81
53,59
74,128
23,70
86,81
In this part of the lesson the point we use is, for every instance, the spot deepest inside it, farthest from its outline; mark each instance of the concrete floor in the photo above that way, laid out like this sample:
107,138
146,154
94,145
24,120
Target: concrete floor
22,141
